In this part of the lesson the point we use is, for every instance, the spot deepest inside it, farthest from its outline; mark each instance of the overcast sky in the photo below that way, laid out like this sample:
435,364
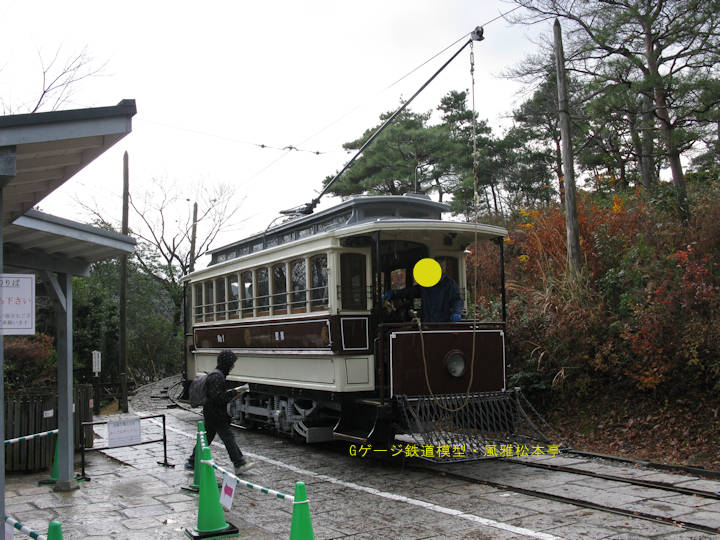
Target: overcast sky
215,80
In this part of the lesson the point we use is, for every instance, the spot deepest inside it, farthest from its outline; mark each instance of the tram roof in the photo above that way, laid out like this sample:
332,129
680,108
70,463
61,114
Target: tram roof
380,212
459,233
358,230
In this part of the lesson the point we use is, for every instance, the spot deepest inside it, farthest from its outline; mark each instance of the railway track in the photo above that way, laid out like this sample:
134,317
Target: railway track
497,473
698,471
480,474
632,481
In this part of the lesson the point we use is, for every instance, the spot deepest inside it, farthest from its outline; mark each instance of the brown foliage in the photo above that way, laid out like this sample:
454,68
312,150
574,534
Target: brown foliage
645,311
28,360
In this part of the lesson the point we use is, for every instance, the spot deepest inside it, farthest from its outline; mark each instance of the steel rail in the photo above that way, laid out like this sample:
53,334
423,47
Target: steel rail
700,471
569,500
634,481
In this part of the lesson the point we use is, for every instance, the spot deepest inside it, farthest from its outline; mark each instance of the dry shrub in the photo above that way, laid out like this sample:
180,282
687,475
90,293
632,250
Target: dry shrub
28,360
644,312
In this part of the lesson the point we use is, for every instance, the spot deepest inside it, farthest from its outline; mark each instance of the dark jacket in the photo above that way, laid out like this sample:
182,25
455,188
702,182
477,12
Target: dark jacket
215,408
438,302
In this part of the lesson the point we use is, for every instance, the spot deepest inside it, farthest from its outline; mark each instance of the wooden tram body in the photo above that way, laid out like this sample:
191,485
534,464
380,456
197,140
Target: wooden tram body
300,305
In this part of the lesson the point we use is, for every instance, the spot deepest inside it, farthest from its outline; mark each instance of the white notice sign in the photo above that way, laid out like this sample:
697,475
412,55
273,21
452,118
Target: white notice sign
227,492
17,304
124,432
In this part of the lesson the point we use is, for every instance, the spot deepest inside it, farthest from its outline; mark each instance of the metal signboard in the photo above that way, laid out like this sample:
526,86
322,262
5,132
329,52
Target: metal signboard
124,432
96,362
17,304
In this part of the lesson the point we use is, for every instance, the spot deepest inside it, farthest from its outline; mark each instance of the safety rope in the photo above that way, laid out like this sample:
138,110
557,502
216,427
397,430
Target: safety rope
240,481
23,528
475,311
30,437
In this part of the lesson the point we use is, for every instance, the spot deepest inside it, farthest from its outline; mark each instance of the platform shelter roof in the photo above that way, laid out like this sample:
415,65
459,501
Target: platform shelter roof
38,153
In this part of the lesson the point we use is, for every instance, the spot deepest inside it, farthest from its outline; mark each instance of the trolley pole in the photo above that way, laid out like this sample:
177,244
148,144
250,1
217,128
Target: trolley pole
123,290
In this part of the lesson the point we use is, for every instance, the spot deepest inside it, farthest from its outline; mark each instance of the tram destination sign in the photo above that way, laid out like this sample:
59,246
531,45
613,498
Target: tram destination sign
17,304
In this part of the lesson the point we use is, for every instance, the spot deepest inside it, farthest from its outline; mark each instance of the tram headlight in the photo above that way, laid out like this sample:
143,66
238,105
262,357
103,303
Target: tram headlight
455,363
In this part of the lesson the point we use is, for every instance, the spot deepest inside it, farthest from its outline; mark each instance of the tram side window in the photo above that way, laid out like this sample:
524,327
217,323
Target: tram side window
199,302
209,315
246,289
263,291
352,281
233,295
279,284
319,280
220,305
298,295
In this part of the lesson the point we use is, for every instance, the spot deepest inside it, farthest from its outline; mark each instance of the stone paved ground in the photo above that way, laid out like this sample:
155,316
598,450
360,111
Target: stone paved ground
130,496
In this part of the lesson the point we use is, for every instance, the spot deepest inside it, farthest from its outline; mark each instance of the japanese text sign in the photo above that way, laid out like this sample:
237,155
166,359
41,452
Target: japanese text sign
124,432
17,304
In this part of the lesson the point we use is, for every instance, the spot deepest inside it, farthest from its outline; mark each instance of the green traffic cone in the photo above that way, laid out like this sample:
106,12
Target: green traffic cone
301,525
54,531
195,486
211,516
54,471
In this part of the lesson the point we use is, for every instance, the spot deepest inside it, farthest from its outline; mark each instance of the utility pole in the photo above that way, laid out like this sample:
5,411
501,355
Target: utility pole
193,236
187,297
123,290
571,219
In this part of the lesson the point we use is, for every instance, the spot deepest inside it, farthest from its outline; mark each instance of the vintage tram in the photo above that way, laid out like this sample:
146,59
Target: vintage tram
301,306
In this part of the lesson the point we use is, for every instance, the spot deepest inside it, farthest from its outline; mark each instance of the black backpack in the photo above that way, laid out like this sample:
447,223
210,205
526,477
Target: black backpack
197,393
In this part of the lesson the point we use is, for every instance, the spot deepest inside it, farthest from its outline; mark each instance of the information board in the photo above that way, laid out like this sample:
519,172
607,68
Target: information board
17,304
125,432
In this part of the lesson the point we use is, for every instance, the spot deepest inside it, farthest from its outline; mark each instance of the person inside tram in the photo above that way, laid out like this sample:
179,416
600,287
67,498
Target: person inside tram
440,303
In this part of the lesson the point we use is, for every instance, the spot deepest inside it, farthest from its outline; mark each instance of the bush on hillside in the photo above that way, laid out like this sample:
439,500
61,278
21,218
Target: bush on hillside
644,313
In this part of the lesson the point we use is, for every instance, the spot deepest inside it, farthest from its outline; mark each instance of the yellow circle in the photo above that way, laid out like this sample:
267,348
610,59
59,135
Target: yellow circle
427,272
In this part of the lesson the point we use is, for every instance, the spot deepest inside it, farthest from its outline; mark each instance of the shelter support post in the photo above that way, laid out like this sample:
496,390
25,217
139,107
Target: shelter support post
62,287
2,358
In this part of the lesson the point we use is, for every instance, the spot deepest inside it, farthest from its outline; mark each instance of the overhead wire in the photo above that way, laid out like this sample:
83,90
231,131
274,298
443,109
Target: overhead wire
343,116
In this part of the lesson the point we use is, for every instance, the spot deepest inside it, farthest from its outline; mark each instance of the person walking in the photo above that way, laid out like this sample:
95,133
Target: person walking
217,419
